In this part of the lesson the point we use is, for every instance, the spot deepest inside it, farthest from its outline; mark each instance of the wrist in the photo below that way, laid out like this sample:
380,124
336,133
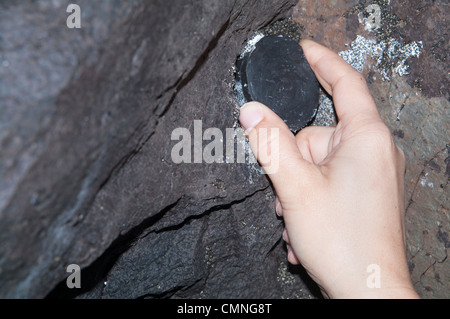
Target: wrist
392,285
395,291
406,292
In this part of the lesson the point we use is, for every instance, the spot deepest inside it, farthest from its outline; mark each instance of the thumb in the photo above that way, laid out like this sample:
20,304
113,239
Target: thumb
275,147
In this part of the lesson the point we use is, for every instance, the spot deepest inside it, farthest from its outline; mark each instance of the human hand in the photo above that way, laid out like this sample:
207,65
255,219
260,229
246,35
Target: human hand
339,190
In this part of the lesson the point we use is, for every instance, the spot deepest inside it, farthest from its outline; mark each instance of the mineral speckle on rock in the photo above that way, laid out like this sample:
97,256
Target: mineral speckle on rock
86,118
403,61
85,131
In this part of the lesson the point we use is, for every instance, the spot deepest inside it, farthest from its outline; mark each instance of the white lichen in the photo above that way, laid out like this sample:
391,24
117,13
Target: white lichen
390,56
361,49
251,44
424,181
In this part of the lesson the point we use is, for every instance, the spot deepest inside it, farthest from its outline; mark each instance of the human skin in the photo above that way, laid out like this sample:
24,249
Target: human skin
339,189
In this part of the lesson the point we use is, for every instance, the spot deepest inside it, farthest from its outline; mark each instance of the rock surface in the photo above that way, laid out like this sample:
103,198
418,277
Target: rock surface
86,120
87,176
411,95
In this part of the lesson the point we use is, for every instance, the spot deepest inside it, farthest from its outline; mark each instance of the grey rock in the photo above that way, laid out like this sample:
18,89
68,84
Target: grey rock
86,172
414,105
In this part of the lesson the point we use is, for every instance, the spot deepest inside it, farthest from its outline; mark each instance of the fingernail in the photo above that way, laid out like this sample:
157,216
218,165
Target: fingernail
285,236
250,116
290,252
278,208
306,43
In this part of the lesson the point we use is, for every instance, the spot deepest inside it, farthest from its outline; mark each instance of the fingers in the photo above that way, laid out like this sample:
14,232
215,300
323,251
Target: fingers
315,143
286,237
276,149
292,258
347,86
278,207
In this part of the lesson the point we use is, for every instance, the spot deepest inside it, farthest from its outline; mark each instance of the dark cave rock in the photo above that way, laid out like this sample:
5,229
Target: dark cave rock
85,135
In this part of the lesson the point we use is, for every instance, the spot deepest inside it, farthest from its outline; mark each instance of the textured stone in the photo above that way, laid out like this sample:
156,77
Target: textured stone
413,104
86,119
86,123
214,255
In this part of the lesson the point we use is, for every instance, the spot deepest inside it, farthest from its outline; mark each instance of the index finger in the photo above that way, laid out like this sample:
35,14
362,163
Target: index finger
351,96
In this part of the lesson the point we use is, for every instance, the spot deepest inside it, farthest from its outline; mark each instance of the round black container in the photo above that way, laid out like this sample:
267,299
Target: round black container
277,74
